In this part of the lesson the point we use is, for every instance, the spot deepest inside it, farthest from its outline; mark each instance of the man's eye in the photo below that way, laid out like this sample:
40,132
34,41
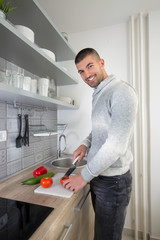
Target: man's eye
90,66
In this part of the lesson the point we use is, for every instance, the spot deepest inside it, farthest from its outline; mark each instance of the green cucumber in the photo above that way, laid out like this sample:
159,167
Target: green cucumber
35,180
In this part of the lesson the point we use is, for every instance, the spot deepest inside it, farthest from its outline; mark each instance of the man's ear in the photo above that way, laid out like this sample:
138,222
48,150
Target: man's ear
102,62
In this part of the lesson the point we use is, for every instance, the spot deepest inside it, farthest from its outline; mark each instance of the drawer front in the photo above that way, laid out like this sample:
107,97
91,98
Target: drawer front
71,224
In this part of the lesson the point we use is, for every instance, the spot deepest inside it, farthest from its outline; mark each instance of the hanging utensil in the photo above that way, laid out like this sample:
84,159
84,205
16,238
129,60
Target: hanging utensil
19,139
26,132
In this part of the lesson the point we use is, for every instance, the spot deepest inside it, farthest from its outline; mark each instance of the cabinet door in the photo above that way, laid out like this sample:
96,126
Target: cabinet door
78,221
86,219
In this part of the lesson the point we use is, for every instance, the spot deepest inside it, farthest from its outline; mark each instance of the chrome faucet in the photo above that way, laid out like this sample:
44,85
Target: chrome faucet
59,146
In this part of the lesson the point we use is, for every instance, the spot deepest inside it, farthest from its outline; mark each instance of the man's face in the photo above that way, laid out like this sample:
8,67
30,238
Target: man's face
92,70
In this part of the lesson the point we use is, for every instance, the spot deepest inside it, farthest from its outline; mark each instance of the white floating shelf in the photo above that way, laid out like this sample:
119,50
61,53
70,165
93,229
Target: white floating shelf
17,49
30,14
15,95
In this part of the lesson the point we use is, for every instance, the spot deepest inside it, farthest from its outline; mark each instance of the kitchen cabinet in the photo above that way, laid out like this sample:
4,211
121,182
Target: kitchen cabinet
77,222
17,49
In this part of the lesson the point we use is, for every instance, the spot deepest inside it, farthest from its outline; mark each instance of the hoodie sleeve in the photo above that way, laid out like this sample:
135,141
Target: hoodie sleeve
87,141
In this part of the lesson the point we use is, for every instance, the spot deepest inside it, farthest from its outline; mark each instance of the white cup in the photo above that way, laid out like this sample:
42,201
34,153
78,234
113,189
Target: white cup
27,83
2,76
43,86
34,85
17,80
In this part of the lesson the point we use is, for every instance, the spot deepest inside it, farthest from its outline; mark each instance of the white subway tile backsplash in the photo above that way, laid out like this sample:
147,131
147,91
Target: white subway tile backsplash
2,110
49,152
38,114
49,115
38,146
14,159
39,157
27,161
12,112
12,125
3,157
14,167
2,145
11,140
53,141
46,144
27,151
2,124
13,154
3,171
33,139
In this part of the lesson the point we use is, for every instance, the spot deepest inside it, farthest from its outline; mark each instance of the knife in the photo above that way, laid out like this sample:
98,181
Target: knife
70,170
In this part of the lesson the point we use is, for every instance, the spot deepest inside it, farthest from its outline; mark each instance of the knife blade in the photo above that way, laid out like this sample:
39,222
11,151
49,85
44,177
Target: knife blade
70,170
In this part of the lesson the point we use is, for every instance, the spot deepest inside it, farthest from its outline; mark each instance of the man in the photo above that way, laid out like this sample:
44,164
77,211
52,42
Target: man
114,107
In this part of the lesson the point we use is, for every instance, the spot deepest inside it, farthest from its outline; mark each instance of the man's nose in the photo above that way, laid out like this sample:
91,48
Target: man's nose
87,74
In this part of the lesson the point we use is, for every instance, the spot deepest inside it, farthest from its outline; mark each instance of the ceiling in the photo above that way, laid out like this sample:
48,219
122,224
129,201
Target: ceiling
73,16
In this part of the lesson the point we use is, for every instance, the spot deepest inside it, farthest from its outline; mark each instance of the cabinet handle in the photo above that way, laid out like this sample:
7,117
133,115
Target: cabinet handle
79,207
68,227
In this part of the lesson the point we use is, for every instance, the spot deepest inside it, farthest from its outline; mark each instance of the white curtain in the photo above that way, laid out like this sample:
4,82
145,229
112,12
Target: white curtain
140,80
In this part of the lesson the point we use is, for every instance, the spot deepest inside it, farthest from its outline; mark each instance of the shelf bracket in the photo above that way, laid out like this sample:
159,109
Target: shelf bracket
14,104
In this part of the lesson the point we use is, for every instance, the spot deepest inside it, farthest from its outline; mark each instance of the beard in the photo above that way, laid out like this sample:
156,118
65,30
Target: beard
94,80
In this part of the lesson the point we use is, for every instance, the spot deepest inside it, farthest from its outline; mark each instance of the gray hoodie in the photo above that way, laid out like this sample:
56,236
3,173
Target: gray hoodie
114,108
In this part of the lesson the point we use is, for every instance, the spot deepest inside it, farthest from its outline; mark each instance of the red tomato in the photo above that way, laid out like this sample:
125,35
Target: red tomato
46,182
62,180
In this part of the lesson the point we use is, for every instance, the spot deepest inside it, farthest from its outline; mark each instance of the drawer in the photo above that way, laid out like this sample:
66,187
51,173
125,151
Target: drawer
70,225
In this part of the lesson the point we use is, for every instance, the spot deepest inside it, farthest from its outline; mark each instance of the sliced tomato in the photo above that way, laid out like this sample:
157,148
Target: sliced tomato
46,182
62,180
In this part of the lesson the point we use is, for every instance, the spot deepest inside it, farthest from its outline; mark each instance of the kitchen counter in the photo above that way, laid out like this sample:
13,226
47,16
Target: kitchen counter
11,188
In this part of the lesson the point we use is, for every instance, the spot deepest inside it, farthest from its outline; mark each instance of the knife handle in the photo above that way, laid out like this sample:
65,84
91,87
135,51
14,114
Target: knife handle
70,170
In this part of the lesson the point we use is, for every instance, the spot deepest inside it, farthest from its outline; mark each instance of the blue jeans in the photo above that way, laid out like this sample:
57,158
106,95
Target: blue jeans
110,198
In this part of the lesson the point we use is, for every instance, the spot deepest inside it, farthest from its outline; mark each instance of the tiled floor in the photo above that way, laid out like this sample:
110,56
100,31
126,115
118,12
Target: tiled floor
127,237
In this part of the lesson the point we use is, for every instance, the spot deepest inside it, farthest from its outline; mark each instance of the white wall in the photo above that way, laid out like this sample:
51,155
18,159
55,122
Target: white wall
154,70
111,44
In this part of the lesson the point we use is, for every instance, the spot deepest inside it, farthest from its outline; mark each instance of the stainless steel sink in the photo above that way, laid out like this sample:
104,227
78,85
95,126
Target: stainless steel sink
64,162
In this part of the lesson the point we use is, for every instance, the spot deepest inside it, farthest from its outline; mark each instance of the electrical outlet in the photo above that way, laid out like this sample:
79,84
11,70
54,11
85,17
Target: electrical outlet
3,136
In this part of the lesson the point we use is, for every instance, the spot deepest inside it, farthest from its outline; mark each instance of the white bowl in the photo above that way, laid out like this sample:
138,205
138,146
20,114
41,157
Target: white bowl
27,32
65,99
49,53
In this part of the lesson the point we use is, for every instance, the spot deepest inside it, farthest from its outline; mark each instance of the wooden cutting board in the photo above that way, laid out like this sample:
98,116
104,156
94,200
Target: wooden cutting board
56,189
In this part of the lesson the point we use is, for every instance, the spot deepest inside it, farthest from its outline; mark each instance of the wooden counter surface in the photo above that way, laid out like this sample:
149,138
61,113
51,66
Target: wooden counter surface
11,188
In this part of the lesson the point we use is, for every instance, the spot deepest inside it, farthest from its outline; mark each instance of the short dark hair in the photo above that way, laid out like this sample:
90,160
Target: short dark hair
85,52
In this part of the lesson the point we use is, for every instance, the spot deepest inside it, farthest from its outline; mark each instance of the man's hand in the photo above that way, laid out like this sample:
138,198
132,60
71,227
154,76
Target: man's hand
80,151
75,183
